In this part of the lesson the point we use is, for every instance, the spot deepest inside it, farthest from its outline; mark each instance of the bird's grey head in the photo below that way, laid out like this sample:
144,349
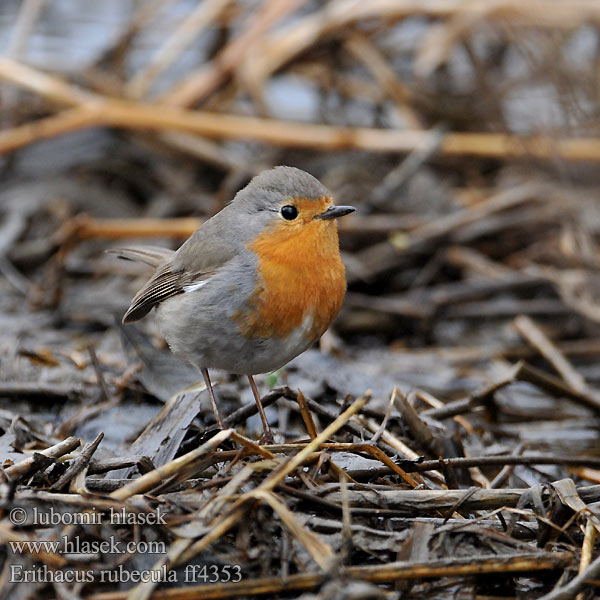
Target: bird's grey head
284,198
270,190
280,197
274,196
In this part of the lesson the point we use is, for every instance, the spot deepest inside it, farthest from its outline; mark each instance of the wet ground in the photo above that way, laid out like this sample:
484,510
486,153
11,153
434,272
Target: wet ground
468,346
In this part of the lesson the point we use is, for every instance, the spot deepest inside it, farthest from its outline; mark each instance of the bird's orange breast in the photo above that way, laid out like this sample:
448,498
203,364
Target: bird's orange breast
301,281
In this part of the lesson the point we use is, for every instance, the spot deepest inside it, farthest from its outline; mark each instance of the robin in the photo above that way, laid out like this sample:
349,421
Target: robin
255,285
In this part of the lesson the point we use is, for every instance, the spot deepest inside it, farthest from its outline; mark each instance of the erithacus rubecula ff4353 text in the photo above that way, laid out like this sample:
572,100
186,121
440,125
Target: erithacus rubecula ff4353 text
255,285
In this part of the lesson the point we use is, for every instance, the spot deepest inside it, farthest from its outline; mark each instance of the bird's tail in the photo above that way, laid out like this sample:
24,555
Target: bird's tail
149,255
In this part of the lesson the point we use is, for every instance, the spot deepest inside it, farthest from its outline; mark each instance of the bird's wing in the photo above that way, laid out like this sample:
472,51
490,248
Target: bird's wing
205,252
165,283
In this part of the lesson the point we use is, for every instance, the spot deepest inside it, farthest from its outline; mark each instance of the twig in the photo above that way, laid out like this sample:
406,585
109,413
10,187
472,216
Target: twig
50,392
199,84
576,584
319,551
377,435
96,110
221,525
62,123
176,43
347,544
587,549
250,409
28,15
383,256
153,478
366,52
80,463
417,426
421,501
279,48
23,468
99,375
506,470
556,386
540,341
387,573
479,461
463,405
14,276
445,225
252,446
143,463
408,167
306,416
434,402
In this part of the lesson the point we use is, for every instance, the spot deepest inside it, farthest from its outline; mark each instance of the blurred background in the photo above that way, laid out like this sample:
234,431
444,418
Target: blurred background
465,133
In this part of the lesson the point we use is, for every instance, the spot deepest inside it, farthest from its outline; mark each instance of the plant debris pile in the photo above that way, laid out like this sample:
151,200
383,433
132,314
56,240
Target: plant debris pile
442,440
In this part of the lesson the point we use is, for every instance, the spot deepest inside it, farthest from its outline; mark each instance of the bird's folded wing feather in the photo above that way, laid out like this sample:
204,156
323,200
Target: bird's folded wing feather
162,285
185,270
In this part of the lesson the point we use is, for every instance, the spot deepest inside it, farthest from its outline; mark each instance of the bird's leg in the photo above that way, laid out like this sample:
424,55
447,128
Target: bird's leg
268,434
213,400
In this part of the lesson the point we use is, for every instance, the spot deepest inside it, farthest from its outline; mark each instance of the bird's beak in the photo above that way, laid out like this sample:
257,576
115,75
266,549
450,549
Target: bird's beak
333,212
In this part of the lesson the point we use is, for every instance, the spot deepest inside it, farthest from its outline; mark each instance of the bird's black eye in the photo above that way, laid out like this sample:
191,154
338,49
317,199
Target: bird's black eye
289,212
